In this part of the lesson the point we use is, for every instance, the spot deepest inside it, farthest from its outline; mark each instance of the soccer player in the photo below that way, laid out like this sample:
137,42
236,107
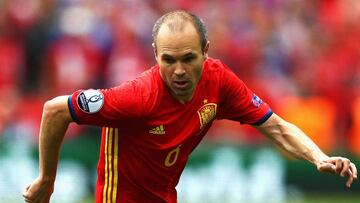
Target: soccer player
151,124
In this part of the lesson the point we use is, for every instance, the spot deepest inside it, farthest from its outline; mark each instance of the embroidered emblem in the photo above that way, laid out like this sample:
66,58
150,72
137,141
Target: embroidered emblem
207,113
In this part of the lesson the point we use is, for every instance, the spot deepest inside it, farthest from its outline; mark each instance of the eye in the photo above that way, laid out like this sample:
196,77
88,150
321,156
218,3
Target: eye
169,60
189,59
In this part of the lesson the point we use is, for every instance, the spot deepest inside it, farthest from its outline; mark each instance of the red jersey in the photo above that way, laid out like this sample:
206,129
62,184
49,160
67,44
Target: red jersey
148,135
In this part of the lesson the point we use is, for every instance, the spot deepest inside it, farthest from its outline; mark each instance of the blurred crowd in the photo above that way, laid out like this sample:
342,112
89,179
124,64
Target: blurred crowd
302,57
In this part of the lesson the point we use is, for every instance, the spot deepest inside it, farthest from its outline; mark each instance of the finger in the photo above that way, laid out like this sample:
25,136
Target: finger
26,190
339,165
30,196
28,201
350,179
353,170
27,198
345,167
327,167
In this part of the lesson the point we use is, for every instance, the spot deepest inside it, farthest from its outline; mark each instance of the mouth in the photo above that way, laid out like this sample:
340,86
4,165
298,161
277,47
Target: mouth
181,85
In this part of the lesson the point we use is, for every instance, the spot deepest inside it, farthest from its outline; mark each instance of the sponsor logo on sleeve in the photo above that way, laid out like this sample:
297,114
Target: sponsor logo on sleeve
256,101
90,101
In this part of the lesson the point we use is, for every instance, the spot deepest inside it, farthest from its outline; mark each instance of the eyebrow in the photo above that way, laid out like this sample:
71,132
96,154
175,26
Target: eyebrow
189,54
166,56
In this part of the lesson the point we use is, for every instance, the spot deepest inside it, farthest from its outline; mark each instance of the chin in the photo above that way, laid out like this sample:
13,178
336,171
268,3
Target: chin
183,93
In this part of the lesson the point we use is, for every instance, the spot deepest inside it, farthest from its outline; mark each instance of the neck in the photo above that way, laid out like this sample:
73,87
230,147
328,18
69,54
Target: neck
183,99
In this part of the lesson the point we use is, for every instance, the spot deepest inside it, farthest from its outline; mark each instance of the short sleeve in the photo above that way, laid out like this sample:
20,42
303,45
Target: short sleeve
106,107
239,103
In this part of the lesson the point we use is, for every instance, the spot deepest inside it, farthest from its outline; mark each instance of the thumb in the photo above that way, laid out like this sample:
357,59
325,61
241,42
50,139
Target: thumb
326,167
26,189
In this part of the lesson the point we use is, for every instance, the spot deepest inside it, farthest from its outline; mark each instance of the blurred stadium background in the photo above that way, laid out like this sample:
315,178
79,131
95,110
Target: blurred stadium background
301,56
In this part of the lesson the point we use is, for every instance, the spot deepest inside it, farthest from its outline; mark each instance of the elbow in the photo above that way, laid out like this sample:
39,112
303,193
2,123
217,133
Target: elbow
50,108
57,110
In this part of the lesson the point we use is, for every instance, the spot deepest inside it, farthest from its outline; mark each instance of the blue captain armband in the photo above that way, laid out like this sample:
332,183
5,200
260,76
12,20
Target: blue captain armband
264,118
72,110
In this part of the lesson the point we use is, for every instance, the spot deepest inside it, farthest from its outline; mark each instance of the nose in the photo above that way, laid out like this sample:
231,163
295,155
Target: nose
179,69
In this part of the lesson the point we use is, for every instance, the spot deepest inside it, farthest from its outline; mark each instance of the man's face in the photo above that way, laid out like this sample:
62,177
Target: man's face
180,58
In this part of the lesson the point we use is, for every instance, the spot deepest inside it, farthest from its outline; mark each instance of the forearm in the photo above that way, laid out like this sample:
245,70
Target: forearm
294,141
291,139
55,120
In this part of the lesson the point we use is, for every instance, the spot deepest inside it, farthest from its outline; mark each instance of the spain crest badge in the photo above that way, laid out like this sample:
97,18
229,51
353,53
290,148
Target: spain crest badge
207,113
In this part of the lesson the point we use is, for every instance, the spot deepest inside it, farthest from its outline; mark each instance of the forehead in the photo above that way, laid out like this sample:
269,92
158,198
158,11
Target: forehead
177,41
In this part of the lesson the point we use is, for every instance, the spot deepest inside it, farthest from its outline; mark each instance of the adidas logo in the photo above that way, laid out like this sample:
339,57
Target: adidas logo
159,130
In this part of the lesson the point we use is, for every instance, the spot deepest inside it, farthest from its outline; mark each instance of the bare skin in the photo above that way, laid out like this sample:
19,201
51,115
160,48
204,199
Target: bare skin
55,120
180,58
291,139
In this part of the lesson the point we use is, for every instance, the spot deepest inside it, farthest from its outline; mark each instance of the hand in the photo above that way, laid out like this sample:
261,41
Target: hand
339,165
39,191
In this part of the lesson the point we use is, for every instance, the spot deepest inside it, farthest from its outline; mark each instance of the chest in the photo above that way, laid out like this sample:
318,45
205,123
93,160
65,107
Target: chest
172,123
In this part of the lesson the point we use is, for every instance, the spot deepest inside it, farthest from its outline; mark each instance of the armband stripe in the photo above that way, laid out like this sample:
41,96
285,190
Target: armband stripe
264,118
72,110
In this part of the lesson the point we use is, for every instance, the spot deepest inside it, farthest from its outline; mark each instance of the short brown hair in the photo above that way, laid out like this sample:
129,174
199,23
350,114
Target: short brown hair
183,16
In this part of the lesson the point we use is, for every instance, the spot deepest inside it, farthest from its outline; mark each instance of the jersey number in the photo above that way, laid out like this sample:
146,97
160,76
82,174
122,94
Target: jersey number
172,157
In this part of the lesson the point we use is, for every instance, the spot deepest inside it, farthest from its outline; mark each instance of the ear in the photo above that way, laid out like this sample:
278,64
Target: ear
206,49
155,50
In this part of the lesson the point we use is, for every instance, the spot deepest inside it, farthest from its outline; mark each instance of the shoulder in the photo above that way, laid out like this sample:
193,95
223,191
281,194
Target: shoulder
148,84
138,94
215,69
146,81
138,88
213,66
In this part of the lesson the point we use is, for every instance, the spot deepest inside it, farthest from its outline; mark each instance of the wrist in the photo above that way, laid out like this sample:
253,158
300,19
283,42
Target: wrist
316,157
46,178
319,158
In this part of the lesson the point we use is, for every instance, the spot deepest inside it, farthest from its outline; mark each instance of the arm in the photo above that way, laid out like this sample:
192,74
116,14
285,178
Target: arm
55,120
293,140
